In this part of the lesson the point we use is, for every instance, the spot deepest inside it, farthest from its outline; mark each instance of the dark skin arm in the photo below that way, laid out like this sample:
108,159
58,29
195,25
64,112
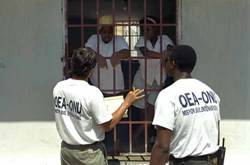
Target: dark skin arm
132,96
160,151
124,54
120,55
150,54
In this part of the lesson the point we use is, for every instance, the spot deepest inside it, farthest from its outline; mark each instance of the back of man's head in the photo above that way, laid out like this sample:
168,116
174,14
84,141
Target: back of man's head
184,57
82,62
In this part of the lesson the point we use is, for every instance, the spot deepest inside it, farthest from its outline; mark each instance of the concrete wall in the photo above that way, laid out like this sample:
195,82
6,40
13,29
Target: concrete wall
31,45
220,32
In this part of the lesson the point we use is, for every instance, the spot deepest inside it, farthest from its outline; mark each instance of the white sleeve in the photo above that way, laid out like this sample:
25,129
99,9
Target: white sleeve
167,41
140,43
218,100
164,112
98,108
55,94
120,44
92,42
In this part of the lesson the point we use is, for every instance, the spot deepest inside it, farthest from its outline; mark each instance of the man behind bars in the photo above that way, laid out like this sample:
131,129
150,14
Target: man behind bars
186,115
110,51
150,45
81,116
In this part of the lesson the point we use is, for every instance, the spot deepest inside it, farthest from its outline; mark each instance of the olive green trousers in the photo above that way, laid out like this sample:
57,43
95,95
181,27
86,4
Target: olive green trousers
92,154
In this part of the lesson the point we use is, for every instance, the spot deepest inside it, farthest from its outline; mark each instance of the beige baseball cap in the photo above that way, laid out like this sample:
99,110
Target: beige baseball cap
106,20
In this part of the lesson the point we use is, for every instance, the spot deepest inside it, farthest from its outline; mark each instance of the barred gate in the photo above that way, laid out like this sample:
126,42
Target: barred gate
134,134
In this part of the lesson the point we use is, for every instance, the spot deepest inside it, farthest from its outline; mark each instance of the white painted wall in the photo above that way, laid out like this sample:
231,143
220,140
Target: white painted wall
220,32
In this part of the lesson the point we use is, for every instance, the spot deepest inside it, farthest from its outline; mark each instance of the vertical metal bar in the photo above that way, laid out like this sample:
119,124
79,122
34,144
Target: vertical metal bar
97,14
177,19
113,25
65,69
98,43
66,60
130,137
145,81
146,136
116,149
160,26
81,27
129,40
129,78
160,43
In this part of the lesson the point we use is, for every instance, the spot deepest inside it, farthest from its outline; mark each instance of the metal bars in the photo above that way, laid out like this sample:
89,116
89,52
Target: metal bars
82,20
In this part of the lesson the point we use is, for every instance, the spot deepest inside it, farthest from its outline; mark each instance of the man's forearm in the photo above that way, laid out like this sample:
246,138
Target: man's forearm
159,156
116,117
152,54
123,54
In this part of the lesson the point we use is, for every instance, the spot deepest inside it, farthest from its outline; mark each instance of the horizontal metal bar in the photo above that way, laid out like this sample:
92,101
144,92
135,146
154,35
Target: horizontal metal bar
135,122
96,25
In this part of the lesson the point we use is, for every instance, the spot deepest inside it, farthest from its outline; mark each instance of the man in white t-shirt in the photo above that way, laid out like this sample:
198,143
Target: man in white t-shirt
110,51
81,114
151,46
107,75
187,114
152,50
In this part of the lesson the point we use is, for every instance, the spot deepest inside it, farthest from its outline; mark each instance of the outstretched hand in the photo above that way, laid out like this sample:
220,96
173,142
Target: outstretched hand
134,95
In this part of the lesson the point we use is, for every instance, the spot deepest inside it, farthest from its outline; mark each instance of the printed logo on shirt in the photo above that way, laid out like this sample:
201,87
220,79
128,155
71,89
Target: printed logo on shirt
191,102
71,108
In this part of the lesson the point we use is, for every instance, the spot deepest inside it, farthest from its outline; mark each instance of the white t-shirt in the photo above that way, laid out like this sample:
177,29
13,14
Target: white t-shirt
191,110
107,74
153,65
79,109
